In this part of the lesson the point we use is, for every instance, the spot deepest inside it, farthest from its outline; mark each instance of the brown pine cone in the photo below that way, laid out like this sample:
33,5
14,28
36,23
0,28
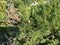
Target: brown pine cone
28,21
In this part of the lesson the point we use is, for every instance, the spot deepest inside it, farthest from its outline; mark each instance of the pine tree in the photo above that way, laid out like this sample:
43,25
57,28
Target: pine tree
36,22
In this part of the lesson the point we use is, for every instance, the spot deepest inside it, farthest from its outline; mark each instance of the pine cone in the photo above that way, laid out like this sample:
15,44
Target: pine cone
28,21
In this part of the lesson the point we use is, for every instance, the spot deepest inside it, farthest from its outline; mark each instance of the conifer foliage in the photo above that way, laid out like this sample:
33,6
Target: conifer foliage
36,22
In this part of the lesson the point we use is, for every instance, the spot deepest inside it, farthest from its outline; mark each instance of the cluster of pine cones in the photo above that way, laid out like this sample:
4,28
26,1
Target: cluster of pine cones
13,17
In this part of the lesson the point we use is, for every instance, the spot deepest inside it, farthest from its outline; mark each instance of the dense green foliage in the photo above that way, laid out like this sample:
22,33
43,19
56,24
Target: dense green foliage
43,27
